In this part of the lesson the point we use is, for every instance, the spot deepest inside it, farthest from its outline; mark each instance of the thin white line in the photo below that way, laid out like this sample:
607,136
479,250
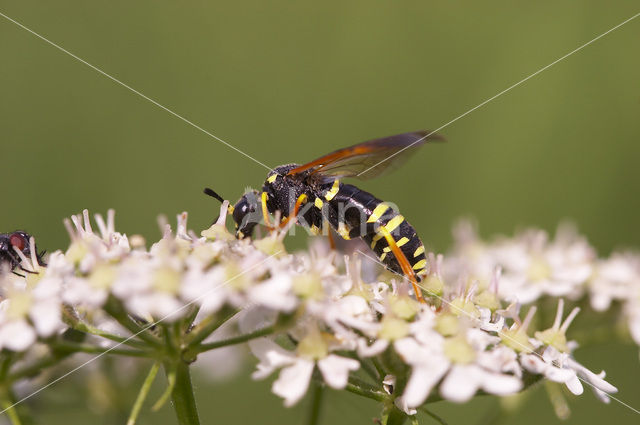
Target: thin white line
175,114
137,333
504,91
499,332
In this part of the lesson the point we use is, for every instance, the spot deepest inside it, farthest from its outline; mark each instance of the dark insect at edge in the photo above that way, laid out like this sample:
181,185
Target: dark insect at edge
314,195
21,241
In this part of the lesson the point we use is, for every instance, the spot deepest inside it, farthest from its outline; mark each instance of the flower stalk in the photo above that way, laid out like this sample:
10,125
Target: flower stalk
182,397
144,392
315,407
268,330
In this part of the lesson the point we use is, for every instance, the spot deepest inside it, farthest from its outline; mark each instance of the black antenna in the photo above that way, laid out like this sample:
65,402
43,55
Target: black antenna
213,194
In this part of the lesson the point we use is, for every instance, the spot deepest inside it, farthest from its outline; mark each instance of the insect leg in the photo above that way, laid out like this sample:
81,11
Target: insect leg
26,270
332,242
296,208
404,263
265,211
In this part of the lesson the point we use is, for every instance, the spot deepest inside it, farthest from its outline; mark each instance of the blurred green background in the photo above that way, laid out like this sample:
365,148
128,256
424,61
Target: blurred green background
289,81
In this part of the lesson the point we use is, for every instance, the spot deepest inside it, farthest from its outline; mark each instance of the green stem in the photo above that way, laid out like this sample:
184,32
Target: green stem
365,365
11,412
235,340
184,402
370,370
366,393
394,416
316,403
142,395
171,378
362,384
379,367
5,364
205,328
71,347
116,310
87,328
190,317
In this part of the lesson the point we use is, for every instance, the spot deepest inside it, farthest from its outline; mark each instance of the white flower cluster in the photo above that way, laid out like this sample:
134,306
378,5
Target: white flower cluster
533,266
372,338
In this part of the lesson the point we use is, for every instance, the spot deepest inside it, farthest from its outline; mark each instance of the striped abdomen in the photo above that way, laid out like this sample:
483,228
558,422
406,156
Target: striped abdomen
355,213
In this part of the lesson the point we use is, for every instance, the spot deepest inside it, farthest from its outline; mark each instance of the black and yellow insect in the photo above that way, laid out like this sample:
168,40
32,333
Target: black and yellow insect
314,195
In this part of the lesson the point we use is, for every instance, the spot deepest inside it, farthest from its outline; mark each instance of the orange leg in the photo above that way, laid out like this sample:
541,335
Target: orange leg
296,208
404,263
332,242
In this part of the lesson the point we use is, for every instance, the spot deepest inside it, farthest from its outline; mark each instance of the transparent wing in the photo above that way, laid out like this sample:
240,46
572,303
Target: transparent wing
368,159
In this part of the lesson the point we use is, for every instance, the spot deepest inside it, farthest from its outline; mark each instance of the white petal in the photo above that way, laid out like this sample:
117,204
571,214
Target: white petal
335,370
533,363
374,349
275,293
500,384
353,305
46,318
401,404
166,307
271,356
428,367
293,381
574,385
461,383
596,380
48,287
423,378
412,352
602,396
254,318
600,301
634,328
17,335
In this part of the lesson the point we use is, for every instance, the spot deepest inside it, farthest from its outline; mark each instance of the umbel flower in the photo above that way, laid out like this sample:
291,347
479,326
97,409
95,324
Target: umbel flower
310,317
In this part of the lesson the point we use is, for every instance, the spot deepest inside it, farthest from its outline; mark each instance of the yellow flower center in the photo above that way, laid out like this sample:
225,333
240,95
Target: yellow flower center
516,339
308,286
102,276
538,270
404,307
393,329
166,279
458,350
313,346
447,324
19,304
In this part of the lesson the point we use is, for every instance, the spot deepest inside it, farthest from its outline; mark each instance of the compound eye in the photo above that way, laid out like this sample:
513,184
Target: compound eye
18,240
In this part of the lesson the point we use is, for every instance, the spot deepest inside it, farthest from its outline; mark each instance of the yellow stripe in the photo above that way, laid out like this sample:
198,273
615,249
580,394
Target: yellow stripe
375,240
378,212
315,230
318,203
272,178
393,223
265,209
343,231
386,249
402,241
419,251
333,191
420,264
384,254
